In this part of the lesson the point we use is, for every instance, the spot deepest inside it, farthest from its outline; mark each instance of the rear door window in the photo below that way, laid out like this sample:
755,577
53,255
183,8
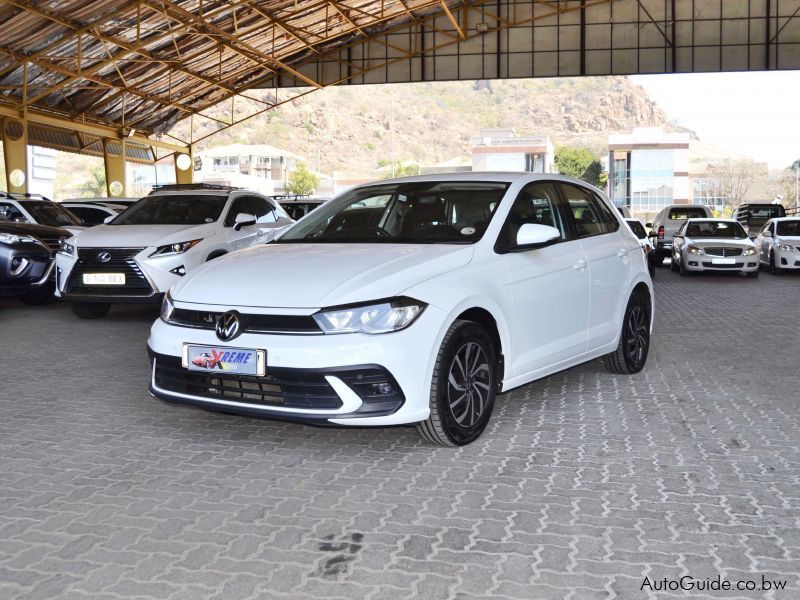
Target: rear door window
590,214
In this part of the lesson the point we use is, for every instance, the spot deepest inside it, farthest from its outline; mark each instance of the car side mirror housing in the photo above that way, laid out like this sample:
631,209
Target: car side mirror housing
766,234
533,235
243,220
648,224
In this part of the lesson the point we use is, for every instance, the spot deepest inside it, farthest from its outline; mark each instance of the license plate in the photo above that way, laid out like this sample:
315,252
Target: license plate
104,278
234,361
723,261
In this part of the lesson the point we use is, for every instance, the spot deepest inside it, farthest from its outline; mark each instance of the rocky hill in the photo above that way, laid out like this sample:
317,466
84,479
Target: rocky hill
350,128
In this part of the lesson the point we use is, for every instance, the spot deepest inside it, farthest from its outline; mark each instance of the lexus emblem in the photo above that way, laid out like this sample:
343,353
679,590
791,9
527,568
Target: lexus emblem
228,326
104,257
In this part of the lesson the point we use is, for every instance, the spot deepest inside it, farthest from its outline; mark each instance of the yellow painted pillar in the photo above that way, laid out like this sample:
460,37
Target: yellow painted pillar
15,150
114,160
184,167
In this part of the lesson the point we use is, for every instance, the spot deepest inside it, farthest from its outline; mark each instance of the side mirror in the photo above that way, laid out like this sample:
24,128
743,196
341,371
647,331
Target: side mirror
767,233
648,225
532,235
109,218
243,220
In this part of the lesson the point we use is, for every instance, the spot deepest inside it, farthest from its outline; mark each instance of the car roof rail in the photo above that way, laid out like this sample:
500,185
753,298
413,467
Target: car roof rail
169,187
25,196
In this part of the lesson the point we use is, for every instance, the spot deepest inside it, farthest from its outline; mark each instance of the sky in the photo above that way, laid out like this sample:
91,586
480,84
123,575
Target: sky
756,114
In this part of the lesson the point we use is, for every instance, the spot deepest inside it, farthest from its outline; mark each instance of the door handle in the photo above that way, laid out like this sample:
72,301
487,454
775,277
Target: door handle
580,265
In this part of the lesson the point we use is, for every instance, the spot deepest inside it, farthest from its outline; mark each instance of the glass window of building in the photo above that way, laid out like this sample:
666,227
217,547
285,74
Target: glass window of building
651,179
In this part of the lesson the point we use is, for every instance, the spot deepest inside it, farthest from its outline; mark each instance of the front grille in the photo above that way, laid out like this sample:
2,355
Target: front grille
290,388
51,242
121,261
251,323
723,252
713,266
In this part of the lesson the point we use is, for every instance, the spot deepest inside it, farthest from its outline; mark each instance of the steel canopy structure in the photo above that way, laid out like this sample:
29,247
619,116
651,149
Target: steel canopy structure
112,77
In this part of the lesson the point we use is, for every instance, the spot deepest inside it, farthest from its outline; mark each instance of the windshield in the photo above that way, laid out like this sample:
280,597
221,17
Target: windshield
681,214
48,213
426,212
173,210
638,229
715,229
788,228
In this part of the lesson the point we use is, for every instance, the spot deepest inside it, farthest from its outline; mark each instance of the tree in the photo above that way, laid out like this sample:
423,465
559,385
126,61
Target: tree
302,181
95,186
581,164
732,179
401,169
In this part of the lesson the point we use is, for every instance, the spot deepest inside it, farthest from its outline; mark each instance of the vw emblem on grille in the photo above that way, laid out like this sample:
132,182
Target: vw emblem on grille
228,326
104,257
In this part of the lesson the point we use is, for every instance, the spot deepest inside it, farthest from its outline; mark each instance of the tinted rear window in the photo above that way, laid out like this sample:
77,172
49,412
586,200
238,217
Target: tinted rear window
638,229
763,212
681,214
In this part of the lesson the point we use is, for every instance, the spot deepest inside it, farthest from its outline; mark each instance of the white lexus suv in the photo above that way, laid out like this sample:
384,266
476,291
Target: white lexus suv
415,300
149,247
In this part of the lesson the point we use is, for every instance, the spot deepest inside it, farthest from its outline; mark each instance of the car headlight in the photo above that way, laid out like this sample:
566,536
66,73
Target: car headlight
177,248
377,317
11,238
787,248
167,307
66,248
694,250
749,251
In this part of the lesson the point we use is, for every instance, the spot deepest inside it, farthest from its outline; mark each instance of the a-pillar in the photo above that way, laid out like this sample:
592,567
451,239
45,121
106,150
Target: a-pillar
114,160
15,151
183,167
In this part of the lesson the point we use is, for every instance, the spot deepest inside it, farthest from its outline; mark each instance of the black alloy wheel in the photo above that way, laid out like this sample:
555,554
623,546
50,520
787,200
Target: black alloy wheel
634,342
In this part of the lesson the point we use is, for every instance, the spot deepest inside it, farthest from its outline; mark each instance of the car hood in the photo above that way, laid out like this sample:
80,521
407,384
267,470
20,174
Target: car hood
135,236
787,239
317,275
720,243
34,230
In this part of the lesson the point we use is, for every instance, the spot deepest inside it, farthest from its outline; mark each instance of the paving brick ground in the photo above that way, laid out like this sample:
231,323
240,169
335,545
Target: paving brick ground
584,484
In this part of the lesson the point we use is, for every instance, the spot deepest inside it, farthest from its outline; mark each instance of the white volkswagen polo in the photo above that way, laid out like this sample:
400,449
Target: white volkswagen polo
415,300
150,246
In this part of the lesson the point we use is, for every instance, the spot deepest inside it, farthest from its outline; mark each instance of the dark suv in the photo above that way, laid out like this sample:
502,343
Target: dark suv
27,260
753,216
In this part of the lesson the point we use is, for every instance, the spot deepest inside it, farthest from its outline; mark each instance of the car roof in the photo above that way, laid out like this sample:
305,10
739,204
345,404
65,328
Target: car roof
795,218
711,220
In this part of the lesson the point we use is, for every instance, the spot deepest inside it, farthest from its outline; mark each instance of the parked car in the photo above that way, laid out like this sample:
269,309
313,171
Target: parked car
298,206
414,300
27,258
647,246
38,210
753,216
778,244
149,247
713,245
666,225
93,213
625,212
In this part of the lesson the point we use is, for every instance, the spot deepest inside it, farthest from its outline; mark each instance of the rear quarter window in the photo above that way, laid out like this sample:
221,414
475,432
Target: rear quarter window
681,214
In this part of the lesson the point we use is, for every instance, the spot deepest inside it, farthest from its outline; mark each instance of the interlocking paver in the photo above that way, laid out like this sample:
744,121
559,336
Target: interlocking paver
584,483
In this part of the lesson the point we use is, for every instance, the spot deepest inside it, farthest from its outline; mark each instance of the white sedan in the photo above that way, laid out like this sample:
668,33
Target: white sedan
778,244
703,245
415,300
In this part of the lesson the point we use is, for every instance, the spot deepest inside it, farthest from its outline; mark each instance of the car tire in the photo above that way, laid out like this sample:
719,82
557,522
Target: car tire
40,297
651,266
457,420
634,340
682,270
773,268
91,310
673,265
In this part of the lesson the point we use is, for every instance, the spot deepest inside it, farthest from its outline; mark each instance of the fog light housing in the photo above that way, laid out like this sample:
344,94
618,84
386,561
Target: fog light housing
382,389
180,271
692,263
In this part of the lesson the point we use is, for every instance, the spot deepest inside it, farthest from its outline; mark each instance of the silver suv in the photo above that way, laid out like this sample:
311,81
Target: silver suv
666,225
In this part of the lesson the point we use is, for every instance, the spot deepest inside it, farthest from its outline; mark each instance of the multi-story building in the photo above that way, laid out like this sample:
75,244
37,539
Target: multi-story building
502,150
650,168
257,166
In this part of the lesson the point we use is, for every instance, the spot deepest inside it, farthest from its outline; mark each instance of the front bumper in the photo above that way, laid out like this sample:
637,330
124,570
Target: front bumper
147,279
700,262
787,260
331,363
34,268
